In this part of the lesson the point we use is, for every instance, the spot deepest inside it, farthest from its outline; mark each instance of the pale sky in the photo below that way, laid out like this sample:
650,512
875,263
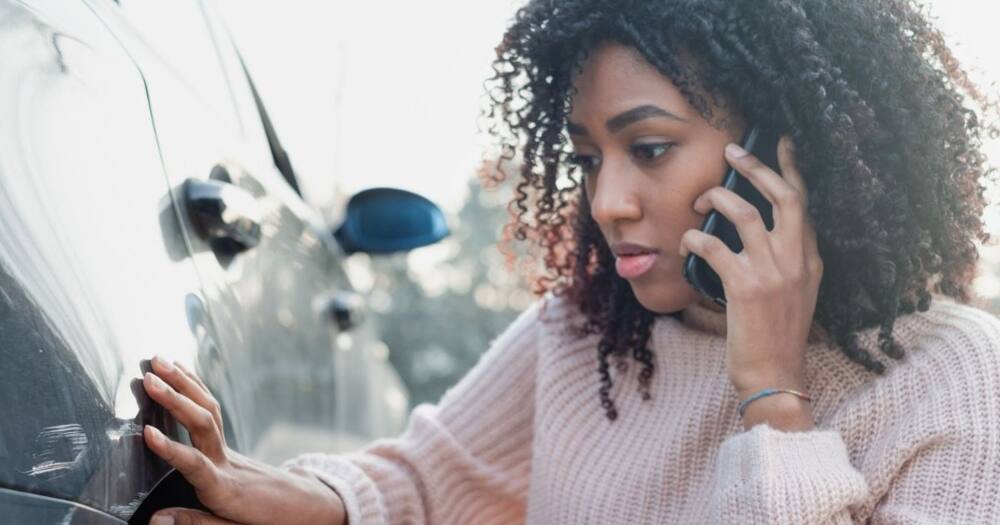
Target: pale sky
387,93
374,93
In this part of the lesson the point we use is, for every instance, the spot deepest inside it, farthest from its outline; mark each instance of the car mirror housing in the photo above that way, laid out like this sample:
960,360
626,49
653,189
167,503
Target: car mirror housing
388,220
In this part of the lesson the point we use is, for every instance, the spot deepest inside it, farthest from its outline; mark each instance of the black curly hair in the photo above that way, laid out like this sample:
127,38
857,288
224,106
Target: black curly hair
876,104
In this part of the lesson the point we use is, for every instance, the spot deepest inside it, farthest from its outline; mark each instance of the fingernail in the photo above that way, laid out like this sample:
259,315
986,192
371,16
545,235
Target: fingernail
735,151
162,520
154,433
156,383
164,364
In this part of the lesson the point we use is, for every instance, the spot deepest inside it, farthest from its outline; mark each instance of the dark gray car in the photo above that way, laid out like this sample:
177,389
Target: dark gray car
147,207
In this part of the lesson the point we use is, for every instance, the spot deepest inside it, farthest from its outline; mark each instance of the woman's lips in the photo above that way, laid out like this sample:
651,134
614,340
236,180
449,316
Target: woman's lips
632,266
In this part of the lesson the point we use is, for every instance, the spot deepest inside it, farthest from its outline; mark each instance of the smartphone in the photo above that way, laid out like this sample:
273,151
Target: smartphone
763,144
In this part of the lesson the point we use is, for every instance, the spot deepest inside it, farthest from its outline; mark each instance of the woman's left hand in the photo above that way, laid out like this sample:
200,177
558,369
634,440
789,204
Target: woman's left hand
772,285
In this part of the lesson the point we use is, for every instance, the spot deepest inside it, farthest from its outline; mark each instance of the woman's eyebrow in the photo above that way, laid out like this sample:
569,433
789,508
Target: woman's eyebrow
620,122
624,120
576,129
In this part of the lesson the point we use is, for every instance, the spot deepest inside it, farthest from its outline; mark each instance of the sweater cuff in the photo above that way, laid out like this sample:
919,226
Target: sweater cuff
804,477
362,503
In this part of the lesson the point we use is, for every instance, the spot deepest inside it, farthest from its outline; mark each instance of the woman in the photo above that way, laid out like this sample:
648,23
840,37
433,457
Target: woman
885,405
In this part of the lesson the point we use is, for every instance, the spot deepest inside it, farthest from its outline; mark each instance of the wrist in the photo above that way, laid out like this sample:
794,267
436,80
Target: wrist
325,503
780,411
751,384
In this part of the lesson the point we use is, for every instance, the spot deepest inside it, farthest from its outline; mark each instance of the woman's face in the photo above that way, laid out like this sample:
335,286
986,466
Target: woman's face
646,155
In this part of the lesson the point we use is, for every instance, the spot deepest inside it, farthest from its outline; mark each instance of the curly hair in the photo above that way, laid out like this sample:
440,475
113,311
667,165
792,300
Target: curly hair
873,99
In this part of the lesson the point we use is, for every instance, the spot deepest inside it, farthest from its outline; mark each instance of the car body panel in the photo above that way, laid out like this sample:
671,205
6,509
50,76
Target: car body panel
21,507
94,273
100,267
269,303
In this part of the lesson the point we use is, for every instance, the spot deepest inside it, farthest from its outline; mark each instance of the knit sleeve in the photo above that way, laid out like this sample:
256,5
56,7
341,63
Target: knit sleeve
940,463
953,479
464,460
764,475
952,473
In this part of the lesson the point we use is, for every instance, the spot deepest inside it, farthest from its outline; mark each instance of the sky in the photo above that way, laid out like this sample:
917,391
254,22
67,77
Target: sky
387,93
366,94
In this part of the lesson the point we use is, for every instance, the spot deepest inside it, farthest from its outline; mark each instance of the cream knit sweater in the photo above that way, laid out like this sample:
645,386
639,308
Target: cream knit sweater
522,437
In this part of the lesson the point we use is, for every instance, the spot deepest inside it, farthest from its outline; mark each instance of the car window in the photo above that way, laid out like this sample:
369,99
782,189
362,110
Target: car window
258,128
190,39
178,33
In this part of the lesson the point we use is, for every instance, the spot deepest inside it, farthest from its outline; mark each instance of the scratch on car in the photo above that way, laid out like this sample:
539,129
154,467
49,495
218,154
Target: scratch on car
57,449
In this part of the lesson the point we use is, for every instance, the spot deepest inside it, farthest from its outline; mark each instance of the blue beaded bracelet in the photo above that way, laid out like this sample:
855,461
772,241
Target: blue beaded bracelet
767,392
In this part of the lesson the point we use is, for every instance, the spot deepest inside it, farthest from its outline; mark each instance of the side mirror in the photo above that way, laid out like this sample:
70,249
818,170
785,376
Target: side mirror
387,220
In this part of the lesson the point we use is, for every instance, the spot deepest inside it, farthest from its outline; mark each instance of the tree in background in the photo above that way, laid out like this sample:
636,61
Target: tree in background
438,317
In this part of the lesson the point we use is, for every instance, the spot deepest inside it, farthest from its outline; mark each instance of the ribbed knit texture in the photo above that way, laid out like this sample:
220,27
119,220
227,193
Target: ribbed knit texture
522,437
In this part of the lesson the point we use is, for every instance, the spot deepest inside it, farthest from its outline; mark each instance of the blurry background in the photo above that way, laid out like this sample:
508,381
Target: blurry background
367,94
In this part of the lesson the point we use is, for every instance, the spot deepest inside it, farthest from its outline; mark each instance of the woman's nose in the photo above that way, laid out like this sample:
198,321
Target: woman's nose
614,200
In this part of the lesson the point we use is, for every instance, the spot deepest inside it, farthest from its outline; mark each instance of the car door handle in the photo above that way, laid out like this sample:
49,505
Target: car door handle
225,215
346,309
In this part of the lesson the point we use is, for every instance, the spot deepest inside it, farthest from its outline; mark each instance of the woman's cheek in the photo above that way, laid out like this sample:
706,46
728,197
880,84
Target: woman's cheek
672,204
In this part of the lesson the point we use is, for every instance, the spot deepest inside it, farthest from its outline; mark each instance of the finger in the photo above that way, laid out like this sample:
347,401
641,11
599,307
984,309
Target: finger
187,517
194,377
196,468
789,171
712,249
786,200
205,396
188,384
745,216
195,418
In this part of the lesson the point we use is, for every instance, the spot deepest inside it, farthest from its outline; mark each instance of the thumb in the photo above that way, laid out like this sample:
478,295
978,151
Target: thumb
187,517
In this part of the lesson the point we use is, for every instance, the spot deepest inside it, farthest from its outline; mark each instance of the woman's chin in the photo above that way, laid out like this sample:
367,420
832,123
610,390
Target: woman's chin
664,296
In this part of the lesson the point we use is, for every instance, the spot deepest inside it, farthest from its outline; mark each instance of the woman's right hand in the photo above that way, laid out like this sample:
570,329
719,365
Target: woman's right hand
235,488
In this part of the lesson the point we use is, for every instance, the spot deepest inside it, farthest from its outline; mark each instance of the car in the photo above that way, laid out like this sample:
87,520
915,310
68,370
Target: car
147,207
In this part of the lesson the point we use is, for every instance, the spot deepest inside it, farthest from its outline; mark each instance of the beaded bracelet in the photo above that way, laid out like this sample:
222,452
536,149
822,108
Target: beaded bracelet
767,392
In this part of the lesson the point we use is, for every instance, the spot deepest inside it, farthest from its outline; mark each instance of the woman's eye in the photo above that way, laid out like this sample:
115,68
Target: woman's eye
650,151
587,163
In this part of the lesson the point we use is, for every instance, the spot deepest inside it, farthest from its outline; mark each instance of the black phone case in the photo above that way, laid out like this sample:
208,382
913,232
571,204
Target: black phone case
762,144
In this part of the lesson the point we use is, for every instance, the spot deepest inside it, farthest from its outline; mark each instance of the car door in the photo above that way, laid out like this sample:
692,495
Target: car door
276,290
95,274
